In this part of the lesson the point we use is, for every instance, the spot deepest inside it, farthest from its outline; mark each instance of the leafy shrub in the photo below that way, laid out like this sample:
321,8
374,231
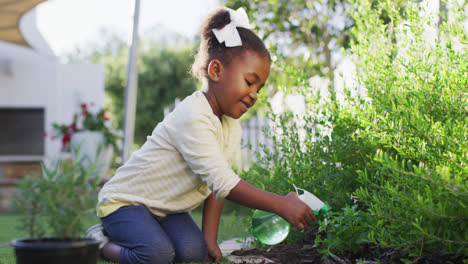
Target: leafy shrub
56,202
415,179
347,230
401,152
327,168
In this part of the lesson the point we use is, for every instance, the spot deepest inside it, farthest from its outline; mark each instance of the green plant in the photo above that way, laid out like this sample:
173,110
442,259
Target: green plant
87,120
414,182
400,151
56,202
345,232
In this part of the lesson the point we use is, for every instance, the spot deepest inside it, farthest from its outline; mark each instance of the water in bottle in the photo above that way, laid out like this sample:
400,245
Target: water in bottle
271,229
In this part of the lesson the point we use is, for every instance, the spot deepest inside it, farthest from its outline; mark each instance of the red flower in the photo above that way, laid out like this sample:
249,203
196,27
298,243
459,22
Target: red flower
65,139
72,127
85,119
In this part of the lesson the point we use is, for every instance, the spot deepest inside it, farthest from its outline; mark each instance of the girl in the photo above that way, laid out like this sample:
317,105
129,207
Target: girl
187,160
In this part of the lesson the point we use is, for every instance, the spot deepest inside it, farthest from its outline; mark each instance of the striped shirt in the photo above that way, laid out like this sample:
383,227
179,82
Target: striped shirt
188,156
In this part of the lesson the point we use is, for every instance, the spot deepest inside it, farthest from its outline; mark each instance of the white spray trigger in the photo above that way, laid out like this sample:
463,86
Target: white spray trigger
311,200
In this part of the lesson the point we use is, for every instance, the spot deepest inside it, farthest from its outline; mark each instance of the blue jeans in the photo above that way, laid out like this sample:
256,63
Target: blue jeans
147,238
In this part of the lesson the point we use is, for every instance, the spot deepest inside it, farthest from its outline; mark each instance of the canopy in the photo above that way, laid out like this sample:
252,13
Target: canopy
11,12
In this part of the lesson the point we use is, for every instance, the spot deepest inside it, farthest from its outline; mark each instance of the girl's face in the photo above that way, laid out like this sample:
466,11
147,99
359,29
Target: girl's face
239,82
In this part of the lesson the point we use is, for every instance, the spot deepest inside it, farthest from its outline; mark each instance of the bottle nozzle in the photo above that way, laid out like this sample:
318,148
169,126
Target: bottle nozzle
324,208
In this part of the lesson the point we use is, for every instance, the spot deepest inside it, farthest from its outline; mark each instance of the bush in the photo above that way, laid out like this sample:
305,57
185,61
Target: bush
346,231
415,180
400,153
57,202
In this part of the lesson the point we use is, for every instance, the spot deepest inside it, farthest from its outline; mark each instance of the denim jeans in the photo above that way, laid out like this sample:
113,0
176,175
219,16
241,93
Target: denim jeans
147,238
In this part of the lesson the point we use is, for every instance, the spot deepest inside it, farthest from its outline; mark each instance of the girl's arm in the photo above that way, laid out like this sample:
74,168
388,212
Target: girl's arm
289,207
211,214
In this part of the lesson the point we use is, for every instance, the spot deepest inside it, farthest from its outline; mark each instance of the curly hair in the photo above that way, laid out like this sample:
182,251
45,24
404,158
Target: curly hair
210,48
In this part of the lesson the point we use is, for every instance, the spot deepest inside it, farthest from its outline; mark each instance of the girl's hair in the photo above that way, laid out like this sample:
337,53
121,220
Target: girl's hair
210,48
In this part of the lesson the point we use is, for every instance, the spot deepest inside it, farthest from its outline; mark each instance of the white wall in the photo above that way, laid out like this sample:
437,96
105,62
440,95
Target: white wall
35,78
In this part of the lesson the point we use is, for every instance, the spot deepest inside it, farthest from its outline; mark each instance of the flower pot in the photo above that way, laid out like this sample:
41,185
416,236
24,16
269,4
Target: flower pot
56,251
89,142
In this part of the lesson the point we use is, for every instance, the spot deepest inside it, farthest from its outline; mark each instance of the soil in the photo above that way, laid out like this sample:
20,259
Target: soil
303,252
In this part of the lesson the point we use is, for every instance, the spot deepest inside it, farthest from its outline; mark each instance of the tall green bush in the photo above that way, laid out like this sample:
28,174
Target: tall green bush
415,180
397,158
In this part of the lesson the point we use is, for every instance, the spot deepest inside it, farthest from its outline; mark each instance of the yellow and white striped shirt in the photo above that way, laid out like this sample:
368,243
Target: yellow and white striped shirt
188,156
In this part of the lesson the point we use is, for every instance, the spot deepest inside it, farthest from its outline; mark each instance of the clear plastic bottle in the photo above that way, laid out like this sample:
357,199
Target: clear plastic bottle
271,229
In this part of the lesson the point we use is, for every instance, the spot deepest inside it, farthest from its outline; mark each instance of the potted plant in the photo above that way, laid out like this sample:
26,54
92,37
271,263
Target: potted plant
54,205
90,129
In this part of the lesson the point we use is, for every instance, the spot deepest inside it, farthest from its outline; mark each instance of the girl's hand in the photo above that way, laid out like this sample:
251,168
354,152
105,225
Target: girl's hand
297,212
214,252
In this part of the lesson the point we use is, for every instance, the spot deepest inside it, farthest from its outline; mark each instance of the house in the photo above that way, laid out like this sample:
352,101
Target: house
36,90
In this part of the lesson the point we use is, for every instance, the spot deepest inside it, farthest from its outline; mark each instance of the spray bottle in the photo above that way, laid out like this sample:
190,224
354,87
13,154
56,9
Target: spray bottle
271,229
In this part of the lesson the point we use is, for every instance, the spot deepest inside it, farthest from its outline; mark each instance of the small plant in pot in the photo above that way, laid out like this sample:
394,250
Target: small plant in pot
54,206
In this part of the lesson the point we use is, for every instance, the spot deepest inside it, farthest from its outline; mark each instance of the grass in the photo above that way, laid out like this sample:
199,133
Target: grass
229,228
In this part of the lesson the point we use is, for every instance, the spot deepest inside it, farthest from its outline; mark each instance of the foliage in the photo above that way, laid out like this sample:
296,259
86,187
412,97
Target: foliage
297,157
304,37
415,180
317,29
347,230
87,120
53,204
400,152
27,202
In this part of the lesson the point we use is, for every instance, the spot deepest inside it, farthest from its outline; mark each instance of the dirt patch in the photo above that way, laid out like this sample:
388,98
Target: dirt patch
288,253
304,252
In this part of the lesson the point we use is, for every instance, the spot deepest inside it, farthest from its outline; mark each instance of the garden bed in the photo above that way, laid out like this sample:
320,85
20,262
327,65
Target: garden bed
304,252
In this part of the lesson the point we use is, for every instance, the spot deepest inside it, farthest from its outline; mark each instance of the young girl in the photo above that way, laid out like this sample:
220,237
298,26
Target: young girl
187,160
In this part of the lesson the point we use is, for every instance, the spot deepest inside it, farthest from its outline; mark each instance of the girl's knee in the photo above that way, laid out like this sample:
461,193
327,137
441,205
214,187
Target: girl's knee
195,252
162,257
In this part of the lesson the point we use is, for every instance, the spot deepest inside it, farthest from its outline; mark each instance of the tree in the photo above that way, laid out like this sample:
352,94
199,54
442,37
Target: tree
312,31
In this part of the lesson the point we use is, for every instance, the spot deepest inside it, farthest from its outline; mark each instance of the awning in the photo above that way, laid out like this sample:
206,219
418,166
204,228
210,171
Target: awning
11,12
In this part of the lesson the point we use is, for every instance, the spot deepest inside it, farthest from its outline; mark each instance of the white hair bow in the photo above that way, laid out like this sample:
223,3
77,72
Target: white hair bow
229,33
